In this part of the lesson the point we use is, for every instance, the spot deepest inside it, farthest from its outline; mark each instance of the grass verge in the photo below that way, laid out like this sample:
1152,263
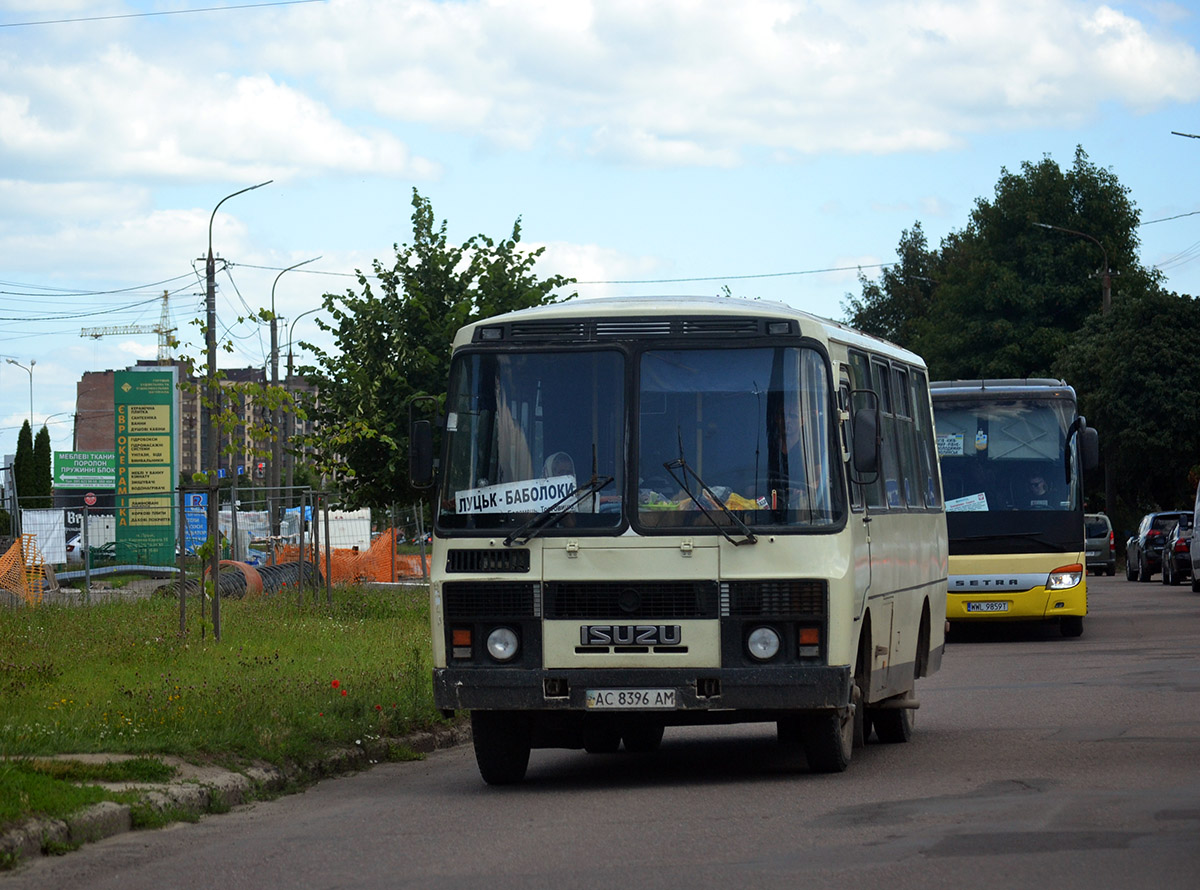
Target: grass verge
288,680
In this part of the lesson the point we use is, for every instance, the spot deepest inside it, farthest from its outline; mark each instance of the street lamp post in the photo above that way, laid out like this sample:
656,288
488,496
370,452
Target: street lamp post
291,416
29,371
277,442
1106,275
1110,478
209,406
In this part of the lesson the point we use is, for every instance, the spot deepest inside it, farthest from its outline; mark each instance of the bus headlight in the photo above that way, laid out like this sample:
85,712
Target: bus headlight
502,644
763,643
1065,577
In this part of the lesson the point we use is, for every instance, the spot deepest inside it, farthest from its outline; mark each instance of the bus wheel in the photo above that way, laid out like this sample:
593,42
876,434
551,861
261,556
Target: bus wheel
1071,625
601,740
829,740
893,725
502,742
642,738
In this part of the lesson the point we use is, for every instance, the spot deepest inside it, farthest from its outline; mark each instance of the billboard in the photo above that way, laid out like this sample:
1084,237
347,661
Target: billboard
146,405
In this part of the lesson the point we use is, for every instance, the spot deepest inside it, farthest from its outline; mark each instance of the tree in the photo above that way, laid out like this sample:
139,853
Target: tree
1017,293
393,343
23,467
899,303
43,475
1011,294
1138,380
1003,297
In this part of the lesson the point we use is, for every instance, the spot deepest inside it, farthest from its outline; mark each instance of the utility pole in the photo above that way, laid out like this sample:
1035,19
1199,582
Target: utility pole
210,409
1110,479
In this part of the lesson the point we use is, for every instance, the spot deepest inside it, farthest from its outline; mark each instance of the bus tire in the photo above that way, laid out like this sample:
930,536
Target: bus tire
601,738
1071,625
502,743
642,738
829,740
893,726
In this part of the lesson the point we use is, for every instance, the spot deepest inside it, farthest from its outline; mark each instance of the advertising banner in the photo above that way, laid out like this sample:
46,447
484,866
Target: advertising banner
85,469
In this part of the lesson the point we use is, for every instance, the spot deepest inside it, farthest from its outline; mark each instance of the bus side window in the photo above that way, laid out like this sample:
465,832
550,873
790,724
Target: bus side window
891,472
926,443
906,438
860,379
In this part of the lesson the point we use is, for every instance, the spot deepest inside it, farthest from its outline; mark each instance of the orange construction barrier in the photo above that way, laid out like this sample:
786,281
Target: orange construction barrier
350,566
22,571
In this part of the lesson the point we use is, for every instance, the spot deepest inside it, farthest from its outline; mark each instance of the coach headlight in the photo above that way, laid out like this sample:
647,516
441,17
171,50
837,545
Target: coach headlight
763,643
1065,577
502,644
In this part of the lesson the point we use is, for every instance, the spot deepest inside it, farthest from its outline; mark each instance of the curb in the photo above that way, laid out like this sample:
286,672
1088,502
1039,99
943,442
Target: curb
199,791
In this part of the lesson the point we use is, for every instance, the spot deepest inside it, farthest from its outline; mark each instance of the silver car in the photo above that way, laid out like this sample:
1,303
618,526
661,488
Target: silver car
1100,547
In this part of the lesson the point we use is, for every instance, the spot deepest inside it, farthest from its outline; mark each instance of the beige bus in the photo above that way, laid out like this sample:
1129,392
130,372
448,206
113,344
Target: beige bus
662,512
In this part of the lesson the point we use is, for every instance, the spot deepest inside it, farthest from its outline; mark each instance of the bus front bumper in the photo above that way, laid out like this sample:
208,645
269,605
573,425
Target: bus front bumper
1028,605
782,688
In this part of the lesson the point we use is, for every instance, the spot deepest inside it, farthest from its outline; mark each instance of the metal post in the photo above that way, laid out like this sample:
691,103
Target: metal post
87,557
300,566
180,562
328,559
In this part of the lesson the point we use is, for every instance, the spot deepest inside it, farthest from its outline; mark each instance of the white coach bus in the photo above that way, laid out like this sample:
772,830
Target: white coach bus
675,511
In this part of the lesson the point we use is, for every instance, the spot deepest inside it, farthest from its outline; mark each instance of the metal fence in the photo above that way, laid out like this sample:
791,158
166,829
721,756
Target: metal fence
265,546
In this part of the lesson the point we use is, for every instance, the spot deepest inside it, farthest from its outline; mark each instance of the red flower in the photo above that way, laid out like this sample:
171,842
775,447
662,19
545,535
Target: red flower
379,707
343,692
335,684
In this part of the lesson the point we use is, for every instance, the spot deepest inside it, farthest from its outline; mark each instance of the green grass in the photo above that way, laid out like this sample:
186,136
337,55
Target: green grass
286,682
27,791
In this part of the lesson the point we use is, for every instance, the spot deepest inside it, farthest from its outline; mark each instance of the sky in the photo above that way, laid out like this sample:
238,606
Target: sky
771,147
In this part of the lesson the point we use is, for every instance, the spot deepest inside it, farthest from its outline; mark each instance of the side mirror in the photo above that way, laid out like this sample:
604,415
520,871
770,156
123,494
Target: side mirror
866,441
420,454
1089,448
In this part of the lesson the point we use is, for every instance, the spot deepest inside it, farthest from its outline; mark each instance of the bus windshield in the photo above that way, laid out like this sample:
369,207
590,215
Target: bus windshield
1006,455
729,435
528,430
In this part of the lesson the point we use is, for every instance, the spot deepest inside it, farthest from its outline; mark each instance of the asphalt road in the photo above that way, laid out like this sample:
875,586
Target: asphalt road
1037,761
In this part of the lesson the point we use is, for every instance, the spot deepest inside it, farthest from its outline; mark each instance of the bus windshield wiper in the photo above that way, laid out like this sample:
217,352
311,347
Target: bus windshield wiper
680,463
556,511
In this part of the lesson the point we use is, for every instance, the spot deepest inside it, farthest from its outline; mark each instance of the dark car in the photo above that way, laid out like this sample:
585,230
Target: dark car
1143,551
1177,552
1100,545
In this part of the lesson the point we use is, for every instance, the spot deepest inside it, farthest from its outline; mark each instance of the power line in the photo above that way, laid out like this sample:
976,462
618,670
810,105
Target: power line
743,277
142,15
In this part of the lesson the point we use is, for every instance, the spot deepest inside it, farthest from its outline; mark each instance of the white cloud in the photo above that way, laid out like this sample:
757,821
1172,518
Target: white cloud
122,115
699,82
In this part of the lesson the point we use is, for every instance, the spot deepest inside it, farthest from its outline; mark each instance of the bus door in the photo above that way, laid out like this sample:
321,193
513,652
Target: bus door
860,519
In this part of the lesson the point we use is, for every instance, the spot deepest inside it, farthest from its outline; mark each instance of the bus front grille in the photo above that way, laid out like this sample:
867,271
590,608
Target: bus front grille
785,598
633,599
469,600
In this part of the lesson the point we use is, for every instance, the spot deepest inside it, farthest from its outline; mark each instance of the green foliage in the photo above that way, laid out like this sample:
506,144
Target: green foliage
24,471
1008,297
393,342
43,475
1138,377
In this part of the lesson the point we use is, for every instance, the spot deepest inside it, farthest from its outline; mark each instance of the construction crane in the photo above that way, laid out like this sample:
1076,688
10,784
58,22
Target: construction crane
163,329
